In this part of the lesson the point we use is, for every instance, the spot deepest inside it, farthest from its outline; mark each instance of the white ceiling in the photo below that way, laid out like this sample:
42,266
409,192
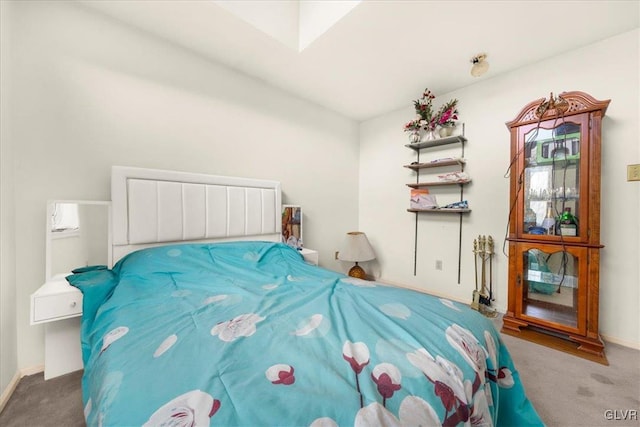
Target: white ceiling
383,54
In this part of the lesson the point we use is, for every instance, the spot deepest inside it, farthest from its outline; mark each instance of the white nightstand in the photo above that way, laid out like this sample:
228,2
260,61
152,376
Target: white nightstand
58,306
310,256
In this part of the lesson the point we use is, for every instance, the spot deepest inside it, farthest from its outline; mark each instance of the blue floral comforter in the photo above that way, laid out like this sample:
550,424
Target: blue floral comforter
248,334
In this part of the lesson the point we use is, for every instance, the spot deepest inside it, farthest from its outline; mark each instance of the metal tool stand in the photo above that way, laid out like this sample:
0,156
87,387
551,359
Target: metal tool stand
483,252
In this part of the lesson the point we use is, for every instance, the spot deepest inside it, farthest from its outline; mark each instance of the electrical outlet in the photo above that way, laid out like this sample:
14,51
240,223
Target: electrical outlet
438,264
336,255
633,172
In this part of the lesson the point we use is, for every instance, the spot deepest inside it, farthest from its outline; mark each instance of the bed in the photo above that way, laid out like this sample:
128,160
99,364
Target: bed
207,319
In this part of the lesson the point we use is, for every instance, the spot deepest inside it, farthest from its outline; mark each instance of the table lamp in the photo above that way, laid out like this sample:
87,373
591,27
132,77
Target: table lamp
356,248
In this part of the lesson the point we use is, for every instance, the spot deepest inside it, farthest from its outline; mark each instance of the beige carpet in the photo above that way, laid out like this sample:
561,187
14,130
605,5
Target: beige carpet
571,391
564,389
39,403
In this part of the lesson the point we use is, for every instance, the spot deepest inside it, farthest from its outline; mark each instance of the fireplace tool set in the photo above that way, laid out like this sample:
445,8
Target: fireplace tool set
483,252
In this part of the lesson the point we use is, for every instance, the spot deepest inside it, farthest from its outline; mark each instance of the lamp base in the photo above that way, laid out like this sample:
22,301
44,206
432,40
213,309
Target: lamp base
357,272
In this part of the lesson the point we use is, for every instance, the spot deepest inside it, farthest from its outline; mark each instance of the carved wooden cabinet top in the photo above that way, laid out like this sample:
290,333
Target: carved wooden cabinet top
565,104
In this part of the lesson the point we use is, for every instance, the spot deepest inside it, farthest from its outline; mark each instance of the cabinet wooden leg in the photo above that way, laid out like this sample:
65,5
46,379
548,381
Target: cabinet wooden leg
595,346
511,324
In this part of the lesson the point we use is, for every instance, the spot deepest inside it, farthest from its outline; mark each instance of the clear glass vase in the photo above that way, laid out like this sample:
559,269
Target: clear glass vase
429,135
414,137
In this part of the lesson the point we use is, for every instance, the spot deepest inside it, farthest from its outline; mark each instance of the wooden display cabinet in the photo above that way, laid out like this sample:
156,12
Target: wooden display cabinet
554,271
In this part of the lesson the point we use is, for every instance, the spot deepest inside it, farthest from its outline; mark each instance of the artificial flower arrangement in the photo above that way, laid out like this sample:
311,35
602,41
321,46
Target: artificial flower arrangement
448,114
427,118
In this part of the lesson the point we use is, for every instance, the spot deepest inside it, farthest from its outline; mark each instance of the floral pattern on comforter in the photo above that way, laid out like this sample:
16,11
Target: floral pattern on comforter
248,334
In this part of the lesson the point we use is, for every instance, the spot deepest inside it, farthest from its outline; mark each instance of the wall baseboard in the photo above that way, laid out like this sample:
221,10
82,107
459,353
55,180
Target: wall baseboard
624,343
11,387
25,372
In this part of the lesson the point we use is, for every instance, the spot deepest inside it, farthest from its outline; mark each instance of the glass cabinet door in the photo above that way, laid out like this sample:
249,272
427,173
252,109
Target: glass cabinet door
551,187
551,285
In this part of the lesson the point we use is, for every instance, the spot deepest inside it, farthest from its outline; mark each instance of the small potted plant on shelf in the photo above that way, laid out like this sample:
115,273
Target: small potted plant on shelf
413,127
427,119
446,118
424,110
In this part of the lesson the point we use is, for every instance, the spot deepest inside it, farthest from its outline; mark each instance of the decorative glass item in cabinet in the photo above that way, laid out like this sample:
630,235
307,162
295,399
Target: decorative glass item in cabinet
551,287
552,180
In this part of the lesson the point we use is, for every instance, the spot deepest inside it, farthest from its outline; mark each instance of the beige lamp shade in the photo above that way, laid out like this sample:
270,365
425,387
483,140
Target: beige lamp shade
356,248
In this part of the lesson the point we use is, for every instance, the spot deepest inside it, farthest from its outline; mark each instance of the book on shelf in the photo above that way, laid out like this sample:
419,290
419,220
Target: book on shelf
421,199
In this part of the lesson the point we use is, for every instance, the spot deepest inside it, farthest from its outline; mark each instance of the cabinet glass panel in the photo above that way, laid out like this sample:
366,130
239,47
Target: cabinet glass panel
551,286
551,180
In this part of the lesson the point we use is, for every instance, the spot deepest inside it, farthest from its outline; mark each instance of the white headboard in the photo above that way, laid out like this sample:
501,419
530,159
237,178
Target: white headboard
152,207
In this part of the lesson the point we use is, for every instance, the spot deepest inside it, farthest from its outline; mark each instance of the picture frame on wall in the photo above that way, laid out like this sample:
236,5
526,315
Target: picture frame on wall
292,226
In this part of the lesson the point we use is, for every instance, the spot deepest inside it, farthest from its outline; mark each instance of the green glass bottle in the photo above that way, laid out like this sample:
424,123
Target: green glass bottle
568,223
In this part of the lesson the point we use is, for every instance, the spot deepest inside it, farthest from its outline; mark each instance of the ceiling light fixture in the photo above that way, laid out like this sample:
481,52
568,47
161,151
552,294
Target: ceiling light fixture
480,65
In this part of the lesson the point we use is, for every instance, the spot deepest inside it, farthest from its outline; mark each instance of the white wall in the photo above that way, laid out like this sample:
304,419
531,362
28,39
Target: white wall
90,93
8,339
606,70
